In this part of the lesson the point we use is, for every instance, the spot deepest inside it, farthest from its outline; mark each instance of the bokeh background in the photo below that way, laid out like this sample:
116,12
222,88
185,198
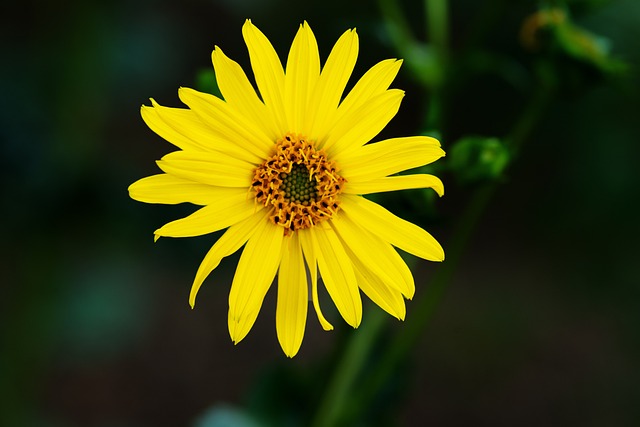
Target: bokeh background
540,325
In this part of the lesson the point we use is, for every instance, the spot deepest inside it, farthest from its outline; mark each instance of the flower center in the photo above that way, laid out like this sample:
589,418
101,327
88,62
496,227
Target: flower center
298,184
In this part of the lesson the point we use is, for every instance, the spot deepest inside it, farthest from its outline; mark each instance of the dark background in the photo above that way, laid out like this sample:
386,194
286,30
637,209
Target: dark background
540,326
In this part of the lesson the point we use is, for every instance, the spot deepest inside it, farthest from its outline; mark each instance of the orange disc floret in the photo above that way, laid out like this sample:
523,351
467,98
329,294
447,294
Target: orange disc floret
298,184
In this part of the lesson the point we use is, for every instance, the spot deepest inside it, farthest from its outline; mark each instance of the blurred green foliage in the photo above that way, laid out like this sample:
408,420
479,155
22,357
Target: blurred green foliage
474,159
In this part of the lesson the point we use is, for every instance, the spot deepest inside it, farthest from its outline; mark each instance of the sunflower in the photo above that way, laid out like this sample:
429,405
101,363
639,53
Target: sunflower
284,172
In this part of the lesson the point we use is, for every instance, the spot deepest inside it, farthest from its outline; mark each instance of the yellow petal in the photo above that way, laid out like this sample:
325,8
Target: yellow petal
227,122
373,255
293,297
228,210
337,274
268,73
386,298
359,126
333,79
208,168
240,94
387,157
375,271
156,123
255,272
232,239
184,129
303,70
388,227
171,190
374,82
394,183
308,245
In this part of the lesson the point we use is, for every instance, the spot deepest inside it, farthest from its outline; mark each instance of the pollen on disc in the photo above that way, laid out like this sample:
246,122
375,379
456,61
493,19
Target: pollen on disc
298,184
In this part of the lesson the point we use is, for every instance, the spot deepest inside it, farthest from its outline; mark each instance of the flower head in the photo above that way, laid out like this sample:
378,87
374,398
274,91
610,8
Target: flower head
284,173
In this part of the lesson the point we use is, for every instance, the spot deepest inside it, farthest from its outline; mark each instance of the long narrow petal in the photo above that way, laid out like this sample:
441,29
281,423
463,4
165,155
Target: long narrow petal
394,183
185,129
301,77
255,272
268,72
227,122
369,250
386,298
226,211
376,273
240,94
156,123
387,157
208,168
171,190
308,245
333,79
359,126
400,233
232,239
293,297
337,274
374,82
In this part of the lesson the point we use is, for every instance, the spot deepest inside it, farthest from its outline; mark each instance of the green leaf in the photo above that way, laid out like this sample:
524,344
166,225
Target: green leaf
474,159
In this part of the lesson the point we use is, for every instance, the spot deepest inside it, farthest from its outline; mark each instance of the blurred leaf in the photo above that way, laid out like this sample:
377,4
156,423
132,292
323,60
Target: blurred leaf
587,47
474,159
206,82
551,30
425,65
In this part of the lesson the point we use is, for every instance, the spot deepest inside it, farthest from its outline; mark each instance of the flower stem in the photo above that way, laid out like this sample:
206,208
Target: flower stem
332,406
437,28
538,102
437,19
396,25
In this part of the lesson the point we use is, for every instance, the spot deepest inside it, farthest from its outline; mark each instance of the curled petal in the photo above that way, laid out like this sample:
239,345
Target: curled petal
308,248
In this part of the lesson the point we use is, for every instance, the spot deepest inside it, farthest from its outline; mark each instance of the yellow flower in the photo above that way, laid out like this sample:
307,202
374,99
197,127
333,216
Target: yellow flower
284,173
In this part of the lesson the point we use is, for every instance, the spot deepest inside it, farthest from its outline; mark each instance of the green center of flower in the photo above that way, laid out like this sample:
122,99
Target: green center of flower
298,184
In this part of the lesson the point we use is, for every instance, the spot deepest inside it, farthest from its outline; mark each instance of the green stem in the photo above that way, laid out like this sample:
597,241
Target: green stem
396,25
437,26
332,406
540,98
437,20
